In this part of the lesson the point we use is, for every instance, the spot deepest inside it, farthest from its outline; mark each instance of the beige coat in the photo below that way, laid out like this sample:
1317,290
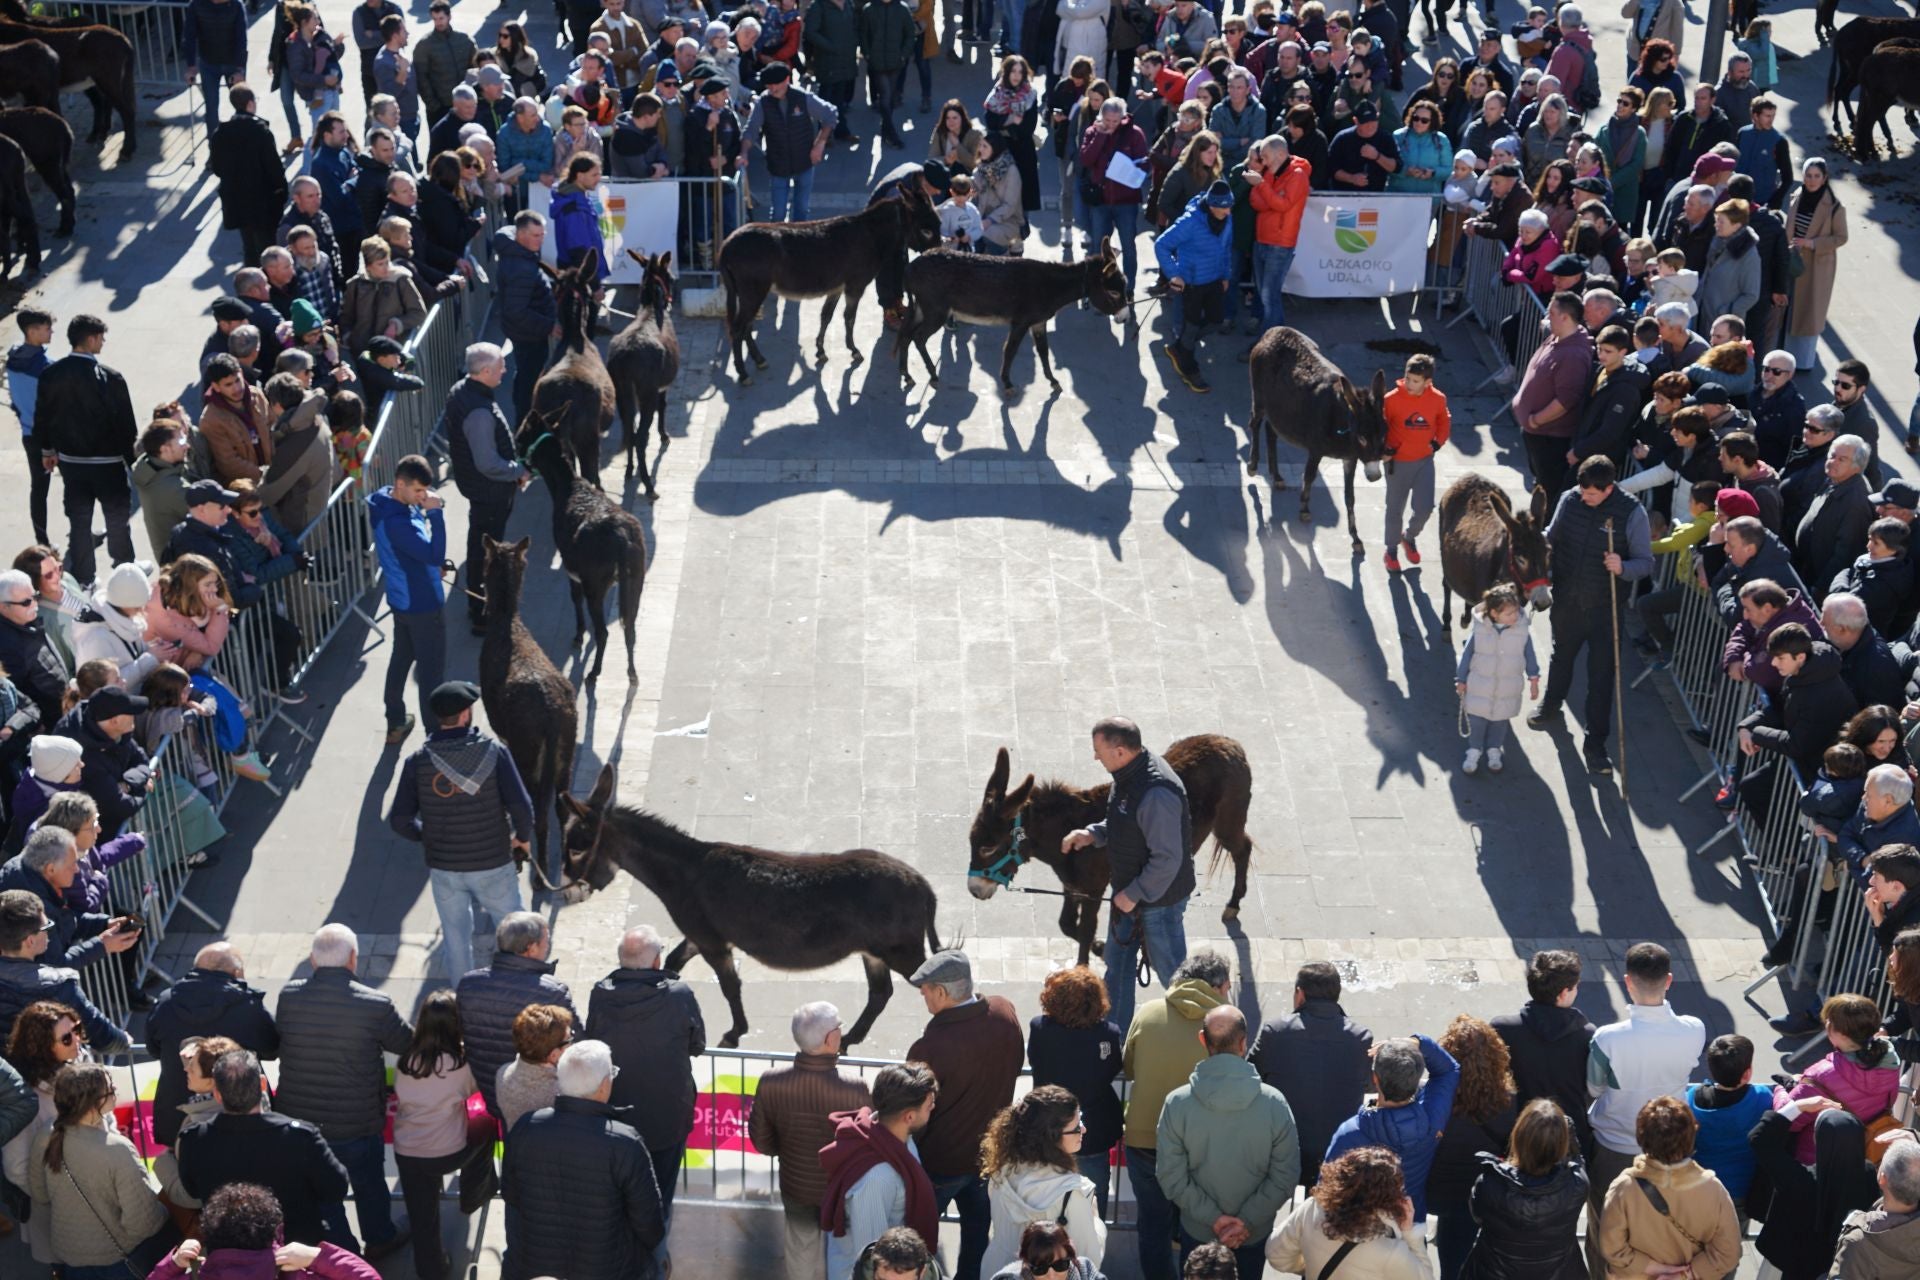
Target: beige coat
1813,291
236,454
1698,1230
1301,1246
368,305
101,1203
961,156
1671,24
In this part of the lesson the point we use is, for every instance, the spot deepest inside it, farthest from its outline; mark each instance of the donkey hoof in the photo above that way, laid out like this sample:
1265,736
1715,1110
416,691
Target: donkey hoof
856,358
1099,949
652,494
1055,384
1230,915
820,359
731,1040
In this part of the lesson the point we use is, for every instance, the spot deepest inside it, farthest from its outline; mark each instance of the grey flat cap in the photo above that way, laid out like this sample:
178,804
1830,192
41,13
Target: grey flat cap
943,967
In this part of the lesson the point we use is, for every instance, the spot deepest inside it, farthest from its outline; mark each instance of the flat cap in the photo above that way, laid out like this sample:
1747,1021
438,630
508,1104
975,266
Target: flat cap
943,967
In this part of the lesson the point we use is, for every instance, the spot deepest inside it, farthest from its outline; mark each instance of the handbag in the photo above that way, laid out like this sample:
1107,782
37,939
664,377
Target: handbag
1796,263
1883,1131
1090,193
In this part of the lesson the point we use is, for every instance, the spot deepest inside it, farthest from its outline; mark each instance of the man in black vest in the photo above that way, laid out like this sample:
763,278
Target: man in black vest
1148,837
1585,571
794,127
488,476
462,798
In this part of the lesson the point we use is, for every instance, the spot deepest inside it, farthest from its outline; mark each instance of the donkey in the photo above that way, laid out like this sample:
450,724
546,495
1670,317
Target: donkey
575,387
1889,77
47,140
18,226
600,543
1301,396
1482,544
788,911
1852,44
643,360
32,70
822,259
1028,823
1021,293
529,703
96,58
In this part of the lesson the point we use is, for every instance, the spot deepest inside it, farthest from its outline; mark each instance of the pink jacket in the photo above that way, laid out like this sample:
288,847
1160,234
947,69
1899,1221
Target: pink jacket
1529,266
1866,1092
334,1263
198,640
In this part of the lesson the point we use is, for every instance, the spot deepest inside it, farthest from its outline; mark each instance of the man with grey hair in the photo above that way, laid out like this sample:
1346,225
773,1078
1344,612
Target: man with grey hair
1885,1240
651,1021
490,999
1869,665
1778,410
580,1193
1834,529
47,867
211,999
485,471
1679,346
1804,474
792,1119
1407,1116
304,211
251,286
333,1033
27,653
444,133
1885,818
976,1048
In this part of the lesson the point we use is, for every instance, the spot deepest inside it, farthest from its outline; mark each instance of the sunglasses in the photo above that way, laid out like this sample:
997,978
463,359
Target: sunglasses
66,1041
1062,1265
1844,386
1079,1128
1778,373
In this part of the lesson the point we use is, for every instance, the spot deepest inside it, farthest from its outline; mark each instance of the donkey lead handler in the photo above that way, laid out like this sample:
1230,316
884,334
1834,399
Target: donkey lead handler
1148,836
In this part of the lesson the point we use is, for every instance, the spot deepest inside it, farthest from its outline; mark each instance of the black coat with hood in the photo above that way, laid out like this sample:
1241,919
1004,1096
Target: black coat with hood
1877,670
1813,706
206,1002
1612,412
651,1021
1321,1062
1547,1049
1527,1223
581,1197
490,999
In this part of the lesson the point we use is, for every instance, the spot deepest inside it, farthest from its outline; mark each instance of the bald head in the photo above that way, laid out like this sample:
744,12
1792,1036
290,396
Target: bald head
220,957
1224,1030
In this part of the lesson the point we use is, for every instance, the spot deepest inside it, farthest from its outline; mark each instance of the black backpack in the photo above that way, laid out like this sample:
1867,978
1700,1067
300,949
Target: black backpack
1586,95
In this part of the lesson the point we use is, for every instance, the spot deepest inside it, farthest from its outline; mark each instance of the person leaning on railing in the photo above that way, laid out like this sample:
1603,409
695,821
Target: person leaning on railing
1658,605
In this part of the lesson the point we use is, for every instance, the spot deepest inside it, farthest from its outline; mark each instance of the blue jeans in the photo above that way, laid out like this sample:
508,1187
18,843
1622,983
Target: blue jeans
212,83
1103,220
291,104
366,1162
1154,1215
1236,266
329,101
1271,262
1166,933
795,193
456,895
967,1193
1250,1259
1013,13
926,75
1097,1168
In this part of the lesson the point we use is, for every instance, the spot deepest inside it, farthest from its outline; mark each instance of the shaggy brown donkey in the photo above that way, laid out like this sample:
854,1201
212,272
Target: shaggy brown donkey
600,543
1482,544
32,70
96,57
48,141
575,388
1028,823
643,360
1301,396
823,259
529,703
788,911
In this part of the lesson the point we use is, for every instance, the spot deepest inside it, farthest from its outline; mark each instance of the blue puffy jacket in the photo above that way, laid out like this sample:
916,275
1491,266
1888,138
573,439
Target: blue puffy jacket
576,226
1197,247
1411,1132
412,544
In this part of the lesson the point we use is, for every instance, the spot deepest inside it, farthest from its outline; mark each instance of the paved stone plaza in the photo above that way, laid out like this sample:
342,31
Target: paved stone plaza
855,597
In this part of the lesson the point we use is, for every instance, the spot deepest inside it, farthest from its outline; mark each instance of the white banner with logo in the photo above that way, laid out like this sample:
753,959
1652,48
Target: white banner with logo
1370,246
642,216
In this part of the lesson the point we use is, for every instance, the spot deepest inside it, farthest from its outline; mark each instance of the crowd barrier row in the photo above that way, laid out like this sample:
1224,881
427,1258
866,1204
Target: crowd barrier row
193,780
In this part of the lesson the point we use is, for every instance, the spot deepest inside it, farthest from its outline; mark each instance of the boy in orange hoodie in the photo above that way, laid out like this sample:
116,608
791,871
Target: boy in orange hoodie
1417,425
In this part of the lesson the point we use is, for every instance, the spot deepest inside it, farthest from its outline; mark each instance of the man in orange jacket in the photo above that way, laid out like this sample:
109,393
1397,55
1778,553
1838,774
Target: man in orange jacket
1417,425
1278,204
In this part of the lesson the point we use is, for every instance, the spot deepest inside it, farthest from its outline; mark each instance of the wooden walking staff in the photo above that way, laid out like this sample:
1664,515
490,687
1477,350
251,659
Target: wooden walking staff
1619,700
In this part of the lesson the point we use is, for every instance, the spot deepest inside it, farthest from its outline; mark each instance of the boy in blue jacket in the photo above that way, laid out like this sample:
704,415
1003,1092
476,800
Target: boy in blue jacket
26,361
1195,255
410,535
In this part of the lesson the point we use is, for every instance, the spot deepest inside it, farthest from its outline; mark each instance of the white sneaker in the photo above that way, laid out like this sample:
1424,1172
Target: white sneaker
1472,762
1493,759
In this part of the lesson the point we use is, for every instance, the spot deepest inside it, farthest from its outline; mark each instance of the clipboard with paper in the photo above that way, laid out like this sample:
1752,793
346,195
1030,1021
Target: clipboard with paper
1126,171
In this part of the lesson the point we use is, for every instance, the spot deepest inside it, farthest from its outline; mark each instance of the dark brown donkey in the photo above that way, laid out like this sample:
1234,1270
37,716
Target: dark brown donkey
47,139
1028,823
1482,544
32,70
576,388
18,226
643,360
1021,293
529,703
823,259
96,57
599,541
788,911
1302,397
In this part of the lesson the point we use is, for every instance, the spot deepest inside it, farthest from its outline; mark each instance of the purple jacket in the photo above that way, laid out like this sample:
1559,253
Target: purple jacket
30,798
89,889
1748,644
334,1263
1866,1091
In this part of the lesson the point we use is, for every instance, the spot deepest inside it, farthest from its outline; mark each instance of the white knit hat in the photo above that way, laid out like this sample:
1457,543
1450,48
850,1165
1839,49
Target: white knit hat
127,587
53,757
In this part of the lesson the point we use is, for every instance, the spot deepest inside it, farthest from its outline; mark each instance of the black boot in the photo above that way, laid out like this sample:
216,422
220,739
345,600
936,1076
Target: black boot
1596,755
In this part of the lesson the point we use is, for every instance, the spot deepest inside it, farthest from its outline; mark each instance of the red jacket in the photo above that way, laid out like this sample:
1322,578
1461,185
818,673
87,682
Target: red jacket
1097,147
1417,426
1529,266
1279,203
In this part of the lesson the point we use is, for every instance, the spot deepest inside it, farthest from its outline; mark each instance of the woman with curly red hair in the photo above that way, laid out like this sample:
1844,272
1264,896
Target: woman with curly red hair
1359,1212
1072,1043
1484,1110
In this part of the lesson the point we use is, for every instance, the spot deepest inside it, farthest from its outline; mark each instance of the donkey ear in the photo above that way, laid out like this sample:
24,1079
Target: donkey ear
1379,386
590,264
1002,770
488,544
1017,798
1348,393
520,548
1539,509
640,258
551,273
602,794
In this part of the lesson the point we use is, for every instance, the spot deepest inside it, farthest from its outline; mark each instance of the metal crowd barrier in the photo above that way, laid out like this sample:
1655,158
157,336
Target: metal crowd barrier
193,778
153,29
1495,304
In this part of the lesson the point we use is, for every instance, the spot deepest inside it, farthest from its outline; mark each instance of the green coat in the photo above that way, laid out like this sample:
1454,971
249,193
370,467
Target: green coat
1227,1146
1625,177
1163,1047
1243,215
888,34
832,39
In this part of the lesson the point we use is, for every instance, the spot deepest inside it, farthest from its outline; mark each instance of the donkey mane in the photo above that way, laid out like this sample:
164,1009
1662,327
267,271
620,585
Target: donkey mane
1056,799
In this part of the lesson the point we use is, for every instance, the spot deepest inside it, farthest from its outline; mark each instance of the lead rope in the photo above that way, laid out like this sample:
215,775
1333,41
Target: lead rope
1143,970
